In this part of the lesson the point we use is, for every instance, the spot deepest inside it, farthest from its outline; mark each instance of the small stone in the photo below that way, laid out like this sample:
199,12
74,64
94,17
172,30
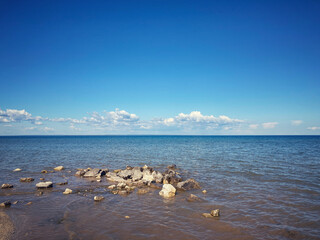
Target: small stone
59,168
5,204
127,217
15,202
193,198
6,185
41,179
215,213
117,170
98,198
172,166
204,191
39,193
28,179
44,185
17,170
121,185
29,203
99,180
44,171
207,215
67,191
63,183
112,187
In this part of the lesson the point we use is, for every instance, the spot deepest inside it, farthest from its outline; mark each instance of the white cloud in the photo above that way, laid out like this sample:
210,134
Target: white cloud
313,128
253,126
269,125
38,123
296,122
47,129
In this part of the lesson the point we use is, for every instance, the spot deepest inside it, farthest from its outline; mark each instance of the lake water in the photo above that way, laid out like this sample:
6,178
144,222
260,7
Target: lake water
266,187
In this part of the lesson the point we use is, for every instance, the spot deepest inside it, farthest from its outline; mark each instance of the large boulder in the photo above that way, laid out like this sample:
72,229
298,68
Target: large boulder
44,185
168,191
188,184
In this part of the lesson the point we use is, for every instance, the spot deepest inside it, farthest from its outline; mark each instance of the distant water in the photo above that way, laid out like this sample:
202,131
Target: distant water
267,187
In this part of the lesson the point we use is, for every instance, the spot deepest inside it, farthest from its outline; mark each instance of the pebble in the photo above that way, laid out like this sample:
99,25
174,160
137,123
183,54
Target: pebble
44,171
59,168
17,170
98,198
67,191
127,217
29,203
204,191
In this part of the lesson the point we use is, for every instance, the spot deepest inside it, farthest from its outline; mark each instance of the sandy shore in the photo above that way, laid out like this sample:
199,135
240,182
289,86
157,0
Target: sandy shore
6,226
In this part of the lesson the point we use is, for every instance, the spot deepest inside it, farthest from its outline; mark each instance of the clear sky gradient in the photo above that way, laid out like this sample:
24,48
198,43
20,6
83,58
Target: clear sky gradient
131,67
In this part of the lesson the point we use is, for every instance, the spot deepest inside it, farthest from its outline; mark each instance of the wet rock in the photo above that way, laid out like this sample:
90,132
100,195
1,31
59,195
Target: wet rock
168,191
67,191
129,167
28,179
5,204
6,185
215,213
62,183
29,203
204,191
123,192
41,179
207,215
95,173
194,198
127,217
111,176
44,185
142,191
99,180
39,194
112,187
117,170
17,170
147,175
80,173
121,185
59,168
172,166
98,198
15,202
44,171
157,176
188,184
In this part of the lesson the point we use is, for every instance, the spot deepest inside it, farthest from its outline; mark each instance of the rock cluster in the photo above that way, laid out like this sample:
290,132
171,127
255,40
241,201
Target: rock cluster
28,179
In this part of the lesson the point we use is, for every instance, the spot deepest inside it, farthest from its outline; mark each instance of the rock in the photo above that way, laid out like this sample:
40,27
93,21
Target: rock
17,170
194,198
29,203
44,171
112,187
62,183
171,177
41,179
98,198
129,167
80,173
67,191
99,180
5,204
39,194
204,191
172,166
59,168
215,213
6,185
117,170
188,184
126,217
95,173
157,176
207,215
121,185
111,176
147,176
125,174
137,174
168,191
15,202
44,185
29,179
143,191
145,167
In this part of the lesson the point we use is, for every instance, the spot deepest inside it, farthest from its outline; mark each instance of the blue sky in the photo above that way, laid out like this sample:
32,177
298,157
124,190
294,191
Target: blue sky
159,67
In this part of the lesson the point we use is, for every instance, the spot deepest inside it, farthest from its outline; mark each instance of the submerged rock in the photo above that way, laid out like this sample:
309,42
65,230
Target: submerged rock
28,179
188,184
142,191
194,198
59,168
67,191
6,185
5,204
44,185
207,215
215,213
98,198
168,191
17,170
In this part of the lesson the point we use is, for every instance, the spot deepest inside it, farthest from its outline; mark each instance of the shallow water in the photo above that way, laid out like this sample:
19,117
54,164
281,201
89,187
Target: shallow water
265,187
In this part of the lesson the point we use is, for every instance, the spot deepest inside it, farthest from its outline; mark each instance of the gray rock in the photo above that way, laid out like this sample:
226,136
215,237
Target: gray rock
137,174
63,183
98,198
111,176
188,184
96,172
80,173
147,175
44,185
158,177
6,185
171,177
125,174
